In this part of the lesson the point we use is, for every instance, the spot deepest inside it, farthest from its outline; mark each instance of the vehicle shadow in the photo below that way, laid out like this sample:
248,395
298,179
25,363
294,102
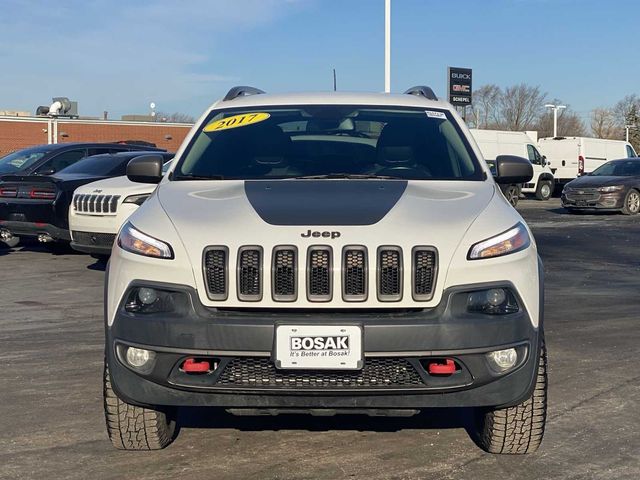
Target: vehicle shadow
428,419
100,264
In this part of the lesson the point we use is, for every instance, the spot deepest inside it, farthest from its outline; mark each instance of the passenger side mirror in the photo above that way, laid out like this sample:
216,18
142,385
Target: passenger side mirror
145,169
512,169
47,171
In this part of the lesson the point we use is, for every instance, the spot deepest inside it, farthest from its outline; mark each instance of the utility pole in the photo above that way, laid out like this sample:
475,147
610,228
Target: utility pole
627,127
335,85
387,46
555,109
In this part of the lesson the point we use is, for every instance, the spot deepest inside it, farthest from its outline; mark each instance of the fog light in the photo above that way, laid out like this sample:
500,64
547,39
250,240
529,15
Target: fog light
502,360
147,296
139,357
494,301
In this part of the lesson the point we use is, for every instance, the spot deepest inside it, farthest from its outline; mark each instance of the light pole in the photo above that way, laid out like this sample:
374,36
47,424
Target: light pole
387,46
627,127
555,109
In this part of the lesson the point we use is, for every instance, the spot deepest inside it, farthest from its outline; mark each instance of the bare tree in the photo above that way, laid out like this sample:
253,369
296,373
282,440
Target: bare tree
521,107
486,100
175,117
604,124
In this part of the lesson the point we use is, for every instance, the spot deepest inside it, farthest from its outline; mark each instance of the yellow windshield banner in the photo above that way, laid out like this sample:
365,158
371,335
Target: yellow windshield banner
236,121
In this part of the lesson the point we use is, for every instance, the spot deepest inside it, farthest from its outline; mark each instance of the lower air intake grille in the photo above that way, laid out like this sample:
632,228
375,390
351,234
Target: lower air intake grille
381,373
389,274
250,274
424,272
215,265
354,283
319,274
284,278
97,239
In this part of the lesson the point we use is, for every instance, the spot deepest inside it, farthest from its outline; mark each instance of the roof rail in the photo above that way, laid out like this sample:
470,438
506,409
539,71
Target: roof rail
241,91
423,91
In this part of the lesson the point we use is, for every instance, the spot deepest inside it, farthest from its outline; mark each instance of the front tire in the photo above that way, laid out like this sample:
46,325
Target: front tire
518,429
544,190
135,428
512,194
631,202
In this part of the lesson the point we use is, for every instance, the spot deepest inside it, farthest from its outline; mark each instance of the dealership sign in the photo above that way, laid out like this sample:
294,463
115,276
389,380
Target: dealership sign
459,81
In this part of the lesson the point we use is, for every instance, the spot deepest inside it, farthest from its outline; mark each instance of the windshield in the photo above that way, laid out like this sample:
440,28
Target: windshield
22,159
618,168
329,140
99,166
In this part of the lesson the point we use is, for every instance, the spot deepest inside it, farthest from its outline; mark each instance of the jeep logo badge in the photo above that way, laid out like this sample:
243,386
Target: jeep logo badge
317,234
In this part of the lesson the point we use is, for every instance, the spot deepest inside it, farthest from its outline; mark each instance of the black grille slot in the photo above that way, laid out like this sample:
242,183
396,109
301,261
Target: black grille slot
284,274
254,372
216,272
250,274
425,264
389,274
319,274
354,271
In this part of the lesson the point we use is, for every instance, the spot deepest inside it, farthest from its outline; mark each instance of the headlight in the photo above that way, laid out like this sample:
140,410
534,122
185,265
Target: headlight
137,199
511,241
134,241
614,188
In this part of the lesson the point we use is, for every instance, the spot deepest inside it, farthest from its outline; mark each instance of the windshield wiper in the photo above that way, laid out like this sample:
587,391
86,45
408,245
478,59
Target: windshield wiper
190,176
353,176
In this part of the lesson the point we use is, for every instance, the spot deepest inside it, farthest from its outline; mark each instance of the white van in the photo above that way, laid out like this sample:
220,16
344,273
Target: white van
570,157
523,144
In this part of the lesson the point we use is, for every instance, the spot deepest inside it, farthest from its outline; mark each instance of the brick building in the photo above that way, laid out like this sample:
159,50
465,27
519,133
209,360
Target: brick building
22,132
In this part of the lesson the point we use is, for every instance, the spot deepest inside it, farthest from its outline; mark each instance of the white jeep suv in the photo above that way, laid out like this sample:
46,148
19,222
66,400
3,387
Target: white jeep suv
326,253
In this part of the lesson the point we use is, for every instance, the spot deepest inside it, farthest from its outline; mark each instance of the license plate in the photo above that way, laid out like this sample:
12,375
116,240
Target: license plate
319,347
581,203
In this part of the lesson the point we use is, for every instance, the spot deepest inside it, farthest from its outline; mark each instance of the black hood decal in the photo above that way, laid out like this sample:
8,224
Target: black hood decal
323,202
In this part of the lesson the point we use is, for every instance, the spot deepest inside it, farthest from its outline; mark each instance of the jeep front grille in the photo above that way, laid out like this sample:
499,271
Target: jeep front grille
424,272
319,272
96,204
255,372
389,274
354,271
285,272
250,274
216,272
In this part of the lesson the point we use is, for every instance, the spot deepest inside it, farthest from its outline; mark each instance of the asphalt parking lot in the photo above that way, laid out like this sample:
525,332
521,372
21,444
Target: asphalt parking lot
51,348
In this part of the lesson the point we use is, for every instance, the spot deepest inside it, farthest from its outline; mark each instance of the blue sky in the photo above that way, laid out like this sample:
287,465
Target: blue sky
119,55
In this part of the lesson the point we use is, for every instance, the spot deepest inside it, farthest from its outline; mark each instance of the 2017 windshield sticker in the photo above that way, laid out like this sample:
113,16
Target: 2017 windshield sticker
432,114
236,121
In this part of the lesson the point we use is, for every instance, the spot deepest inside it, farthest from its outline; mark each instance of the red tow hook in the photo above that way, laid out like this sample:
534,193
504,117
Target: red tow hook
190,365
447,368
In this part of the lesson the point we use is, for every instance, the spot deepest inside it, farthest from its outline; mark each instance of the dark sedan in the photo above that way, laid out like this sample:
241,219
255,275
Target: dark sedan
614,186
49,159
38,206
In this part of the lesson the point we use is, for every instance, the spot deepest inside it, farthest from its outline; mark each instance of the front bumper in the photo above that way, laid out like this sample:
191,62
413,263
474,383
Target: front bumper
599,201
397,346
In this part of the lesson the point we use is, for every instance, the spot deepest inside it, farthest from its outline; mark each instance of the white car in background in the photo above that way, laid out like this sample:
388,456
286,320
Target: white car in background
100,208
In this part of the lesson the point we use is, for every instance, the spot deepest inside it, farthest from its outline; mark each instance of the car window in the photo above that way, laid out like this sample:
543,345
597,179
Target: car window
101,151
534,156
100,166
619,168
63,160
630,152
22,159
289,142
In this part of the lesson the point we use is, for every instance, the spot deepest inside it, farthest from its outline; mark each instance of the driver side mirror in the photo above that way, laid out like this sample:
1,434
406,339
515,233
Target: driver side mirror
512,169
145,169
47,171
